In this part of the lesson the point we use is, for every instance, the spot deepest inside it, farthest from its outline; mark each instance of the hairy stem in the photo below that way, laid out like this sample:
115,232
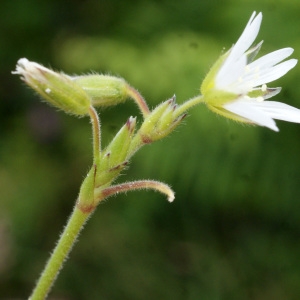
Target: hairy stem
60,254
136,185
187,105
140,101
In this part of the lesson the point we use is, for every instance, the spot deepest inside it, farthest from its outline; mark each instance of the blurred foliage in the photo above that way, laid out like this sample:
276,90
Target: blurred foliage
233,230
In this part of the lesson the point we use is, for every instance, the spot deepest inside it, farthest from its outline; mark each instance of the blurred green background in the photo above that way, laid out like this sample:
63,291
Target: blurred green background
233,231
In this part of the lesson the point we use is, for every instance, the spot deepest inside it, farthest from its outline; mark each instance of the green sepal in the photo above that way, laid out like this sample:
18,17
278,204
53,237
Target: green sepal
150,123
107,176
209,80
215,97
104,90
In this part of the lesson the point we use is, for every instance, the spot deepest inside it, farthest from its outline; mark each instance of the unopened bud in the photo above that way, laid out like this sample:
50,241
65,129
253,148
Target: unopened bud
160,122
118,148
58,89
114,157
104,90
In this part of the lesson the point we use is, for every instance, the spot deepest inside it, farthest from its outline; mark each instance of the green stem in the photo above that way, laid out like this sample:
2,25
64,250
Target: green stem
59,255
187,105
96,135
138,98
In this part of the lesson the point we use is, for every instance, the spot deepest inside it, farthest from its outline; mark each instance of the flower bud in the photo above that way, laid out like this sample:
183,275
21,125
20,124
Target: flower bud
104,90
160,122
118,148
113,158
56,88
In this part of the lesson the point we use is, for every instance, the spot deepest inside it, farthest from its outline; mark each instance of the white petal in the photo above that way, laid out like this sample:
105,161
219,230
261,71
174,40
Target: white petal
271,59
236,70
259,77
273,73
244,42
244,108
264,70
280,111
249,35
271,92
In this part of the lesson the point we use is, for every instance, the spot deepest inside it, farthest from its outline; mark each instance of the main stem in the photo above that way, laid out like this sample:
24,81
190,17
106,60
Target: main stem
72,229
59,255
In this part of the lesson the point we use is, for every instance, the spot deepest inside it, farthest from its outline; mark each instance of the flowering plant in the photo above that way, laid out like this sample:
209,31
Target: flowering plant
235,88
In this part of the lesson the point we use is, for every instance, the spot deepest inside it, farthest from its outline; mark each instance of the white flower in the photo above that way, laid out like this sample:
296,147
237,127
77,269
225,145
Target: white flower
236,86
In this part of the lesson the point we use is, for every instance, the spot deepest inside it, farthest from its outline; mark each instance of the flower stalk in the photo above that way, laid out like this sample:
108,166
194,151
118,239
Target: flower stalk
136,185
96,135
139,100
